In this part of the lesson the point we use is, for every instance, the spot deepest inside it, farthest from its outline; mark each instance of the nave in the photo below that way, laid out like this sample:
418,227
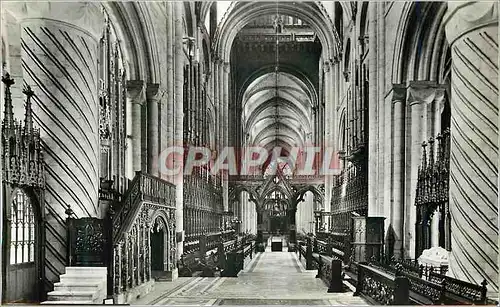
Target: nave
270,278
156,140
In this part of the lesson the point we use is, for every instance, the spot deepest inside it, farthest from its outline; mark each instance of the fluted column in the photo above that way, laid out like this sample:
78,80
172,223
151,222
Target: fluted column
153,97
66,96
472,32
179,58
136,94
398,144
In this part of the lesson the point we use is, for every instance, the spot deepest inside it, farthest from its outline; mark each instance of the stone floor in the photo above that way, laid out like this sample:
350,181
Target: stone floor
271,278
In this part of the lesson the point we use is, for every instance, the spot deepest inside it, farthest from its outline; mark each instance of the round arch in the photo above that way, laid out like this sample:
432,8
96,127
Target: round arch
239,14
421,45
133,46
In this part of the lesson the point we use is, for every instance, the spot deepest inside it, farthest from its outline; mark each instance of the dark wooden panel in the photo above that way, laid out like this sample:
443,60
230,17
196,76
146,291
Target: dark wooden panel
22,283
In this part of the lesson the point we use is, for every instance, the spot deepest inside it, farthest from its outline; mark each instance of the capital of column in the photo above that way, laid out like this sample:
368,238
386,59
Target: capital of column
226,66
464,17
218,60
421,92
136,90
87,16
327,65
154,92
398,93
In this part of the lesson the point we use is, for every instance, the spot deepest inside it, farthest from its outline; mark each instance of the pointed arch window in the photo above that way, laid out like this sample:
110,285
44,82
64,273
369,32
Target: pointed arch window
22,230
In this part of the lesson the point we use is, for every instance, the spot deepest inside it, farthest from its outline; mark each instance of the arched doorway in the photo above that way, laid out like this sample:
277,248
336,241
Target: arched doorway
159,249
21,248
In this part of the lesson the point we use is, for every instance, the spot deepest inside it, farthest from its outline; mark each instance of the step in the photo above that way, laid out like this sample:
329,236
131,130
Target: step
86,270
66,295
79,285
81,277
67,303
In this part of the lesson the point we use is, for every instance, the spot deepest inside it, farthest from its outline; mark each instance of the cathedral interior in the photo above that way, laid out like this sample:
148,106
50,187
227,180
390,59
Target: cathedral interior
250,153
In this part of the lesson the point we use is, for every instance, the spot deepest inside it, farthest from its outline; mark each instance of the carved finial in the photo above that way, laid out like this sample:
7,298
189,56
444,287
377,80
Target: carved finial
28,114
8,109
424,155
431,151
69,212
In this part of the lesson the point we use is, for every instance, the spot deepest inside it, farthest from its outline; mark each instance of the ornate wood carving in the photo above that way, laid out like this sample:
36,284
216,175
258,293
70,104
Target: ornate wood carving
22,156
88,240
432,192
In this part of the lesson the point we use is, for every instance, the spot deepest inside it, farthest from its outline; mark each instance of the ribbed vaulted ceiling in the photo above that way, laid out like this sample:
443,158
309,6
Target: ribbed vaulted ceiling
277,109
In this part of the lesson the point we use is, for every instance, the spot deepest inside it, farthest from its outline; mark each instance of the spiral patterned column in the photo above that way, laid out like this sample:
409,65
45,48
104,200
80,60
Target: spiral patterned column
472,32
59,59
59,53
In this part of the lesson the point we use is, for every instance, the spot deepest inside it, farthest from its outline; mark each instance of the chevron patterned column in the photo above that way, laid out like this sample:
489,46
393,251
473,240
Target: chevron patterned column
472,32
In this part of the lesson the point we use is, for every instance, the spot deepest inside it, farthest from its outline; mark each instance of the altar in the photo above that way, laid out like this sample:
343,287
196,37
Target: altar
277,243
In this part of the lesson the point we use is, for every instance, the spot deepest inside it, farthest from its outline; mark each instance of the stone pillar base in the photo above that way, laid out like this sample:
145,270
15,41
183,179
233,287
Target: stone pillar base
165,275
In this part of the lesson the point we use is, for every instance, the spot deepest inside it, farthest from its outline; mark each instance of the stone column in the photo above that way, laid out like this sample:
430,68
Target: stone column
136,94
153,96
437,109
329,127
384,168
472,32
247,215
260,227
221,110
373,116
168,101
420,94
179,58
225,128
434,127
398,144
66,101
170,105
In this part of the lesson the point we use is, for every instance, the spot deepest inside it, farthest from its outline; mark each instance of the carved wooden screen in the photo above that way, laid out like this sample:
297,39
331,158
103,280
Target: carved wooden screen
112,110
88,241
432,196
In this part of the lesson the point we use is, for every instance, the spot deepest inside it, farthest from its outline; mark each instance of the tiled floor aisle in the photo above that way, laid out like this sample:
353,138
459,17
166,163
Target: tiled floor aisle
271,278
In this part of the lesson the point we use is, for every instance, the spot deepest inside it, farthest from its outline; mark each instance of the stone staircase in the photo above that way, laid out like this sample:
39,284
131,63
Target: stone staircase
80,285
